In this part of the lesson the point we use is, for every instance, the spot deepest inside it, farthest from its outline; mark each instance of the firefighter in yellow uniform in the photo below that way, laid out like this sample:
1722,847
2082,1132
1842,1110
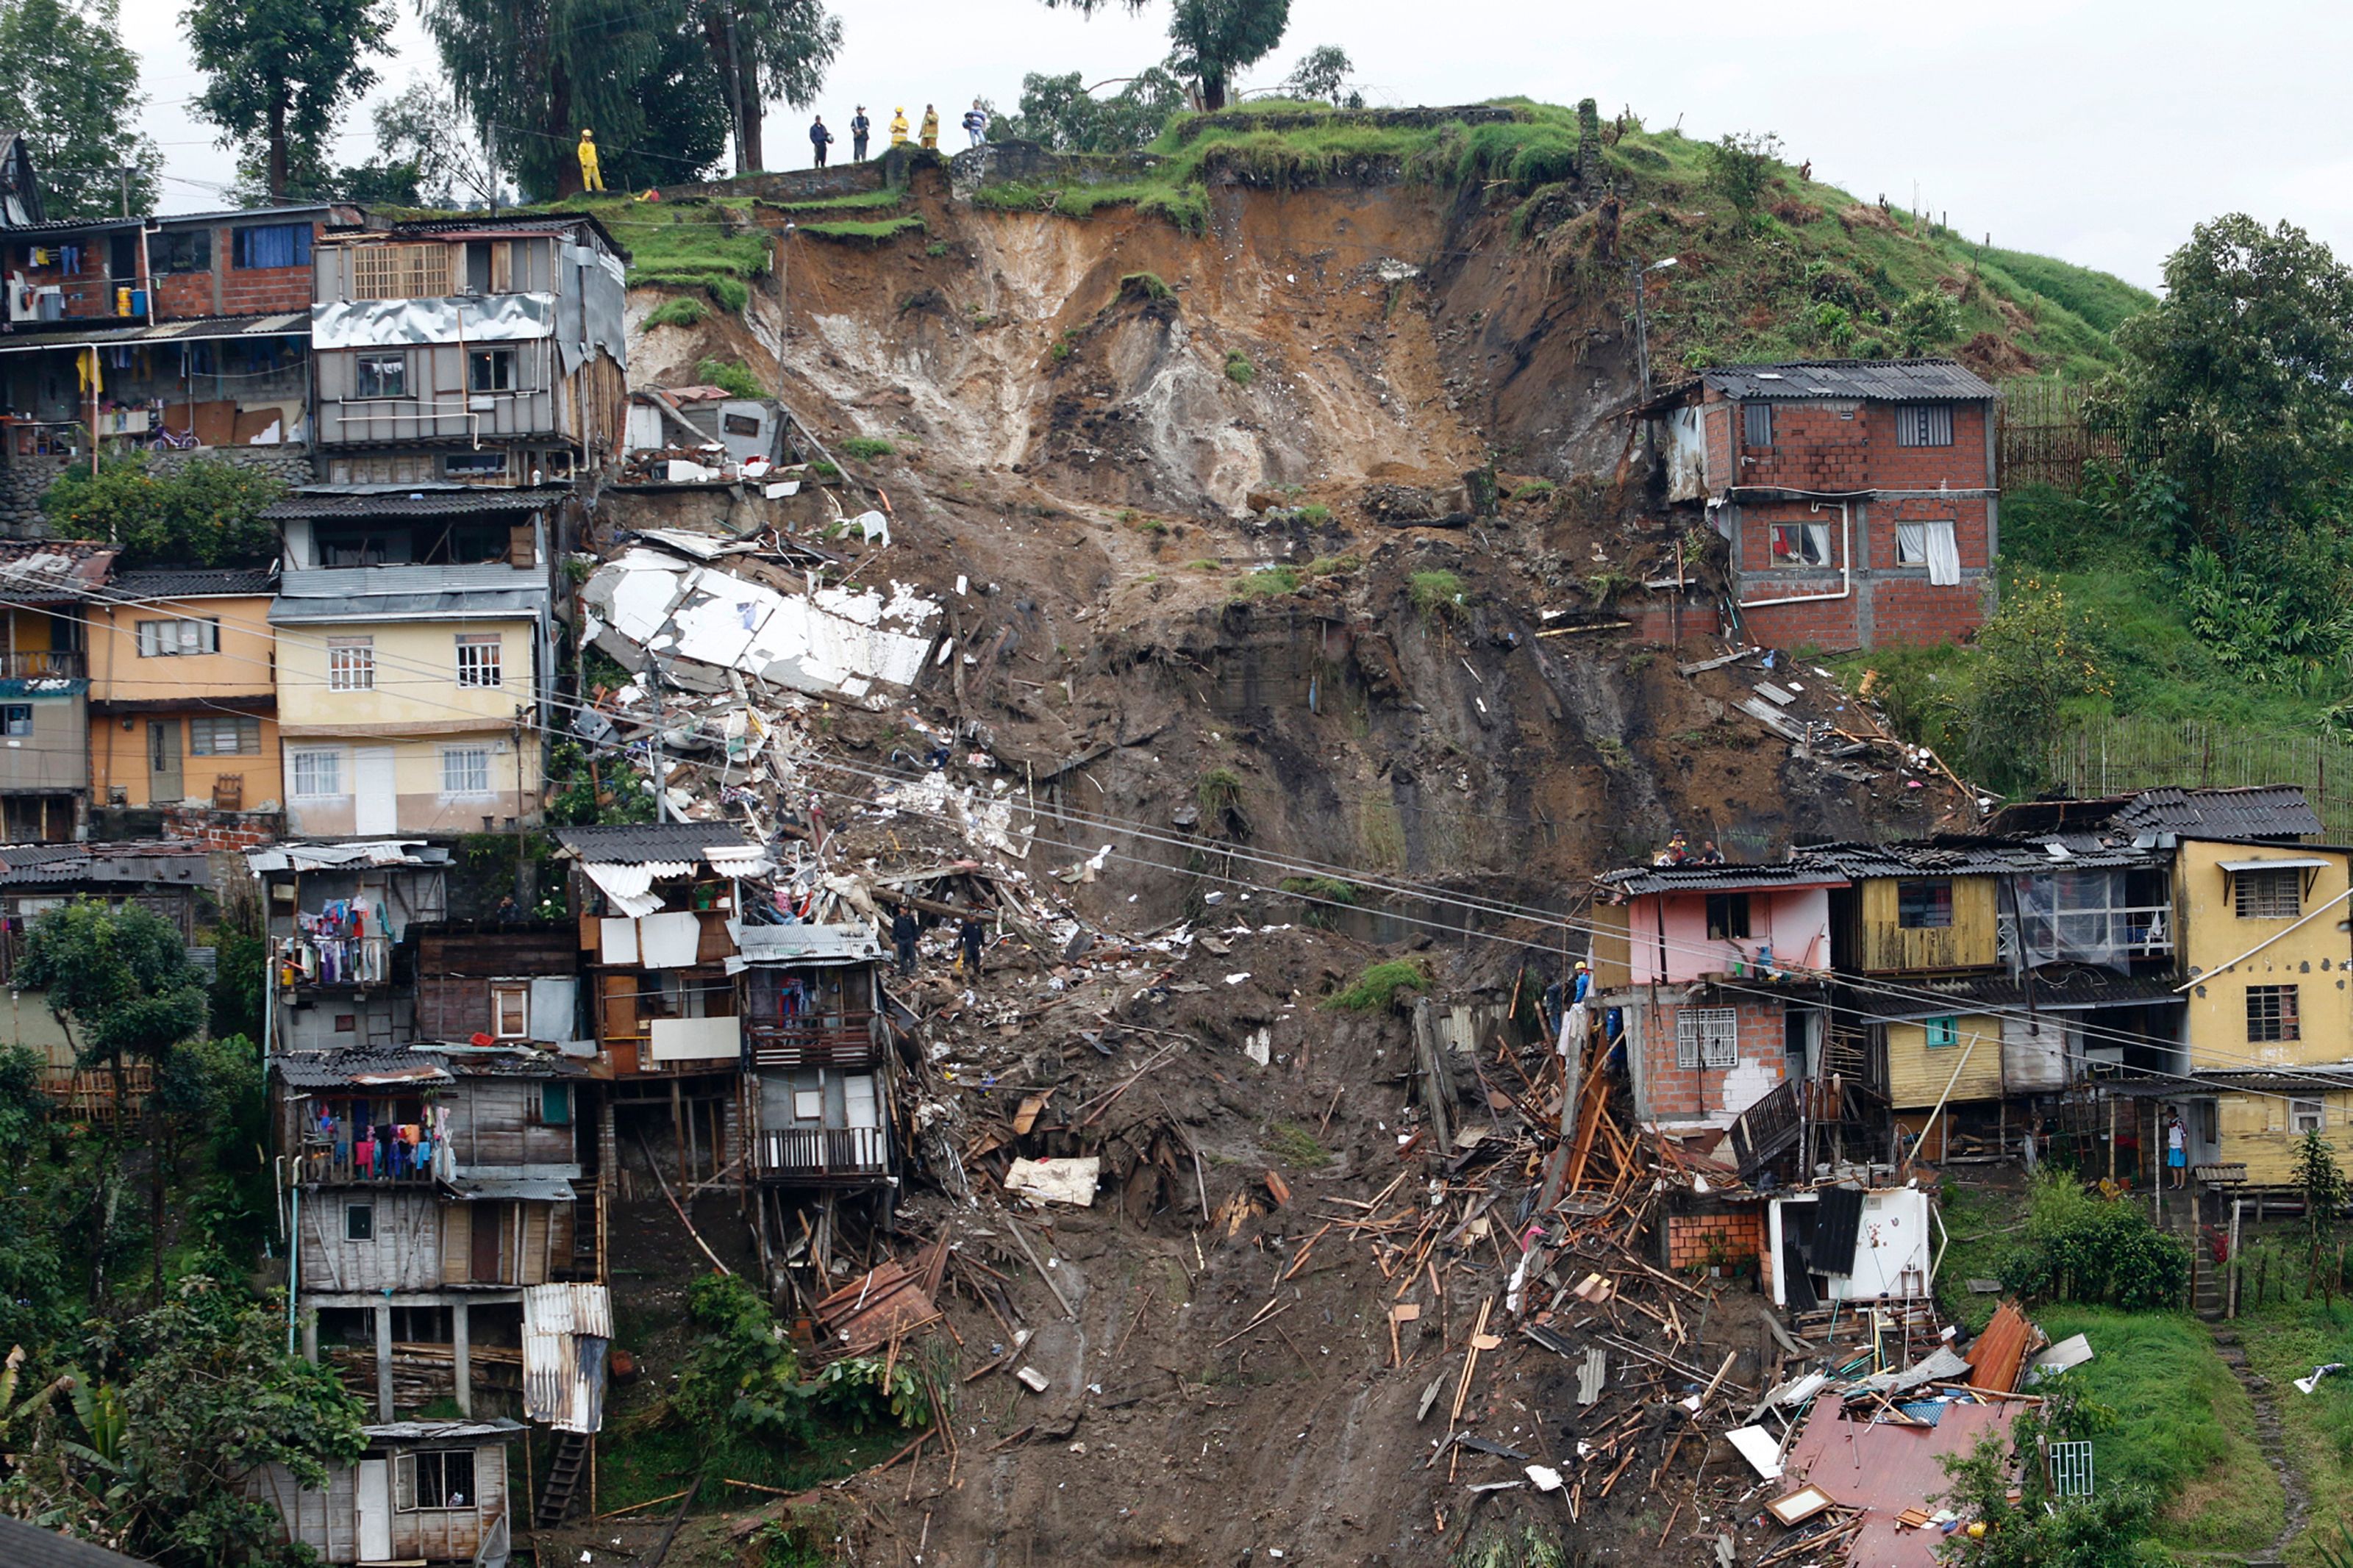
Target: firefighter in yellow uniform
898,128
592,178
931,128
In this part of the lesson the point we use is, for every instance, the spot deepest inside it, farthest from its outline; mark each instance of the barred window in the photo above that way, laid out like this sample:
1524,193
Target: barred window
478,658
380,375
180,634
2271,1014
400,271
2268,895
225,735
351,664
1924,424
466,770
1707,1037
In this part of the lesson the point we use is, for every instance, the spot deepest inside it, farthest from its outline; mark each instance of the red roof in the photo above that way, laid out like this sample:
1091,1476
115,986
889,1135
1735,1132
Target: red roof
1884,1470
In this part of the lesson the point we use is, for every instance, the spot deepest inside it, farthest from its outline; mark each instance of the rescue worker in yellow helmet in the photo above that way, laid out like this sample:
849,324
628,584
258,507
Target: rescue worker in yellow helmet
592,178
931,128
898,128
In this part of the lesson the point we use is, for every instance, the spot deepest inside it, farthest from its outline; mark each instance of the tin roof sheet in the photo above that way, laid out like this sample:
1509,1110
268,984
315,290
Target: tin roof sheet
635,843
2260,811
418,501
195,583
1885,380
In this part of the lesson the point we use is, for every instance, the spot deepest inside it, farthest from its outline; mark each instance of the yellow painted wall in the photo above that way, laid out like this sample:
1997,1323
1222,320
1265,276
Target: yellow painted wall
421,806
1611,970
241,669
29,631
2253,1129
1916,1075
2313,956
1971,941
118,758
416,688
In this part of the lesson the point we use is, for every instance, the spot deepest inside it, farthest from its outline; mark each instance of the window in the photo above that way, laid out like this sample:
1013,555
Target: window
490,370
182,251
2271,1014
318,775
510,1008
490,266
359,1222
433,1478
474,465
180,634
1930,543
1923,906
351,664
16,719
1942,1033
400,271
224,735
380,375
478,658
274,245
466,770
1707,1037
739,424
1728,916
2268,895
556,1104
347,1023
808,1105
1755,424
2305,1116
1924,425
1801,544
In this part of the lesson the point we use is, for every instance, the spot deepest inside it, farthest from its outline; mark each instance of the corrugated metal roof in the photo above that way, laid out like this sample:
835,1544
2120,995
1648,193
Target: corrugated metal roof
632,844
1689,878
195,329
1879,380
566,1330
1962,857
360,592
2057,988
1883,1468
337,856
500,1430
2259,811
419,502
808,943
23,1546
195,582
358,1064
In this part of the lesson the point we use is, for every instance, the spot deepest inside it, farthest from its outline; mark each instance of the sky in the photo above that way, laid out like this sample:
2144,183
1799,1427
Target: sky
2097,131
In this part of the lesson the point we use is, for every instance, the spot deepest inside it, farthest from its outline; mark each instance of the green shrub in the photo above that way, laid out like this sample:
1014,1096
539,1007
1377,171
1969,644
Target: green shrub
1533,490
1378,986
207,513
732,376
682,311
1239,369
1145,286
1437,594
2083,1247
1268,581
1314,514
1332,566
865,448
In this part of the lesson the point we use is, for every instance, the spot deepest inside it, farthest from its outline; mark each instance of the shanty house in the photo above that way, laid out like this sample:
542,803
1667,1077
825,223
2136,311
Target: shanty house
1857,496
424,1492
478,980
184,695
337,917
414,633
1713,974
49,586
817,1044
483,350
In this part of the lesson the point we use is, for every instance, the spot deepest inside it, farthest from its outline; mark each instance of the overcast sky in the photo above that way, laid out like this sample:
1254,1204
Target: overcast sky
2098,131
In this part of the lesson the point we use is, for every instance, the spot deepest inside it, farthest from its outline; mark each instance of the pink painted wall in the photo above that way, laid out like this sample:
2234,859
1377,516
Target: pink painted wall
1796,923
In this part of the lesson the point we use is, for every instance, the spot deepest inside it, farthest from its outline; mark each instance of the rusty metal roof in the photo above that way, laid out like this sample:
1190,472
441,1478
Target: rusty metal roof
1885,1469
566,1330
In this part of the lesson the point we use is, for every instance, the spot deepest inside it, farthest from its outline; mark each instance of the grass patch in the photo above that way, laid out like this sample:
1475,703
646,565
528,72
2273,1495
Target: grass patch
862,201
1239,369
2284,1340
683,312
1437,594
1217,792
865,448
1204,564
1314,514
732,375
1333,565
1378,986
1984,1224
1268,582
1533,490
1145,286
1296,1147
872,231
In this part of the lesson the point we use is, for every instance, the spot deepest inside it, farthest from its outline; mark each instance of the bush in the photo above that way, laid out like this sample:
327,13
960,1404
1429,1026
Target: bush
742,1373
1145,286
1437,594
1927,321
732,376
2083,1247
1377,987
865,448
1239,369
683,312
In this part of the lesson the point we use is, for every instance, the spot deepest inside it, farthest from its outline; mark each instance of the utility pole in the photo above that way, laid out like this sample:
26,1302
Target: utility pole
784,301
1638,275
123,175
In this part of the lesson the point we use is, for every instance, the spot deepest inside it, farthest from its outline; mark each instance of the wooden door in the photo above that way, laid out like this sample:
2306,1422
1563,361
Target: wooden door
489,1227
165,785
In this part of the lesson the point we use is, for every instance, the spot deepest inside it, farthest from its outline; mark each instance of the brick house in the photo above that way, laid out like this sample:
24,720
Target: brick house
1713,976
1857,496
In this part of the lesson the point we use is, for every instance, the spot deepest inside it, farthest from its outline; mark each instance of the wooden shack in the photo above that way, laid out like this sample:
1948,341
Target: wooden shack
424,1492
502,982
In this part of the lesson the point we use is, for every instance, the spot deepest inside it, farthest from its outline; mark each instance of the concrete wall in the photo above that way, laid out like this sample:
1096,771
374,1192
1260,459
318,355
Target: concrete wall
1797,924
2313,956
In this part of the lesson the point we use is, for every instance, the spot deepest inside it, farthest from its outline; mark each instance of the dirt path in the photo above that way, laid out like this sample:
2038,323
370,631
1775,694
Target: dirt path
2268,1433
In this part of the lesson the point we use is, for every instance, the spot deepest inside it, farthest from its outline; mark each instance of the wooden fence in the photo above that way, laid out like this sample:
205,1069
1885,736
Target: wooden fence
2041,437
2114,756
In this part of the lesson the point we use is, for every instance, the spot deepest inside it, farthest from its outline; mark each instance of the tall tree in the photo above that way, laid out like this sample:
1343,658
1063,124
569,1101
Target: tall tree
283,70
765,49
533,74
1324,72
1213,39
1057,112
70,83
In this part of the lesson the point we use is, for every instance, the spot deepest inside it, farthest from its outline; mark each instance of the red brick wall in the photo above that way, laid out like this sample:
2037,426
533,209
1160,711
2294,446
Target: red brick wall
1847,447
1894,604
1697,1240
1677,1093
1655,620
220,830
243,291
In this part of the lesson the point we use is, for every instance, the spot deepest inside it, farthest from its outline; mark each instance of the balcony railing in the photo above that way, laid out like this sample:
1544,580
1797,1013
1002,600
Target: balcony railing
340,1167
2139,931
71,663
823,1153
830,1040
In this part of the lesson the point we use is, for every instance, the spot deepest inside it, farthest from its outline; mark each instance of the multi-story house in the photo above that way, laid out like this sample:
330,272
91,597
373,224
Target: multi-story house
817,1056
183,693
50,587
479,351
342,956
1857,496
413,638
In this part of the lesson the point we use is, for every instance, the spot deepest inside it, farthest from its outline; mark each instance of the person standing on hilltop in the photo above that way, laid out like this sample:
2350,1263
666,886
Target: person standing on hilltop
860,128
976,124
931,128
819,140
899,127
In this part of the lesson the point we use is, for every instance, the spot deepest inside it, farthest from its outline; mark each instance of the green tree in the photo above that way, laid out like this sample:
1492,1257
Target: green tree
205,513
2039,655
1324,72
2039,1528
1059,113
69,82
2324,1186
2234,386
34,1296
1926,321
1740,167
1212,40
421,132
764,49
282,72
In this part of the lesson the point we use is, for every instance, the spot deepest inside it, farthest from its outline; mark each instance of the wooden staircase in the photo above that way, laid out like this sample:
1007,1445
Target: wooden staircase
563,1473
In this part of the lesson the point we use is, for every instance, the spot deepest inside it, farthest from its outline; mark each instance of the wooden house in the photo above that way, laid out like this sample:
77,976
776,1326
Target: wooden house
817,1092
342,959
425,1492
502,982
